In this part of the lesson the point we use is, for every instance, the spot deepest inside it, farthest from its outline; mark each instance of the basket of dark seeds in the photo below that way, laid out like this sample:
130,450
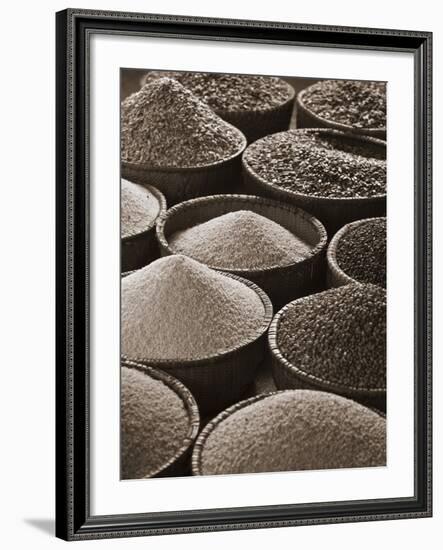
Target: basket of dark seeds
175,142
256,105
357,253
335,176
225,231
347,105
141,207
309,342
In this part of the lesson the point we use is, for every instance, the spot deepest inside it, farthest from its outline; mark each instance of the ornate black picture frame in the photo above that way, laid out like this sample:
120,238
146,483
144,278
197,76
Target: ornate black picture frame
73,518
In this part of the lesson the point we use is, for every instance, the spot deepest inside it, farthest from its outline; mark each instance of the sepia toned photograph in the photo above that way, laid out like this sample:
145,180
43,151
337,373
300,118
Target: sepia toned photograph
253,274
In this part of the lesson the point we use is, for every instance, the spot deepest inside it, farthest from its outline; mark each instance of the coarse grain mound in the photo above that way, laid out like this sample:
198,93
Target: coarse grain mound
318,163
231,241
359,104
296,430
361,252
154,424
338,336
139,208
178,309
231,93
165,125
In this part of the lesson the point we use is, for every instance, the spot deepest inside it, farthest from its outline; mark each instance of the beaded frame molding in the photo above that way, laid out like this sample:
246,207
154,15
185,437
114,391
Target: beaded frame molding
74,521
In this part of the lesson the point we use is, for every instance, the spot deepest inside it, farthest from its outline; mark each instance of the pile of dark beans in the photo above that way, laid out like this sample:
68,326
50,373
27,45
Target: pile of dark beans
361,252
338,335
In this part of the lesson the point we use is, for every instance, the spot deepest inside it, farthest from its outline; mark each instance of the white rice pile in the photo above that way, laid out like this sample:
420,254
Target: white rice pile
139,208
178,309
233,240
154,424
296,430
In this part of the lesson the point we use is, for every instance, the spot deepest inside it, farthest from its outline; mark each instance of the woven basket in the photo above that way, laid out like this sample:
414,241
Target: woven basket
259,123
332,212
180,184
213,424
335,276
142,248
178,464
307,119
289,376
218,381
281,284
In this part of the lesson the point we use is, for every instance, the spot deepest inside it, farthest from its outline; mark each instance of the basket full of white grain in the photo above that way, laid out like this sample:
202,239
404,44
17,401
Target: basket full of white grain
204,327
256,105
175,142
338,177
333,341
279,247
347,105
289,431
159,423
141,207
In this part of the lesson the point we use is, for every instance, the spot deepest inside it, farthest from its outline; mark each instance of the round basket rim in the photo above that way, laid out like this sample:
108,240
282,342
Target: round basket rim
190,405
331,123
320,383
331,254
190,169
162,209
202,201
221,112
289,193
222,356
196,461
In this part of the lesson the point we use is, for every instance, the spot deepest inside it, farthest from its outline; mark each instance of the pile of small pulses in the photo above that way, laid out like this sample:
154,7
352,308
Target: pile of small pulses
187,310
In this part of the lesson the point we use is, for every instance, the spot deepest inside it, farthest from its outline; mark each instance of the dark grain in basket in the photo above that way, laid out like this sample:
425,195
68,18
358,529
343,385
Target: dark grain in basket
334,341
319,171
351,106
357,253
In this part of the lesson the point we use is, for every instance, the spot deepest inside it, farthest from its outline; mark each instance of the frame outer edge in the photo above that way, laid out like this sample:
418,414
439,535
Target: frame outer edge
72,521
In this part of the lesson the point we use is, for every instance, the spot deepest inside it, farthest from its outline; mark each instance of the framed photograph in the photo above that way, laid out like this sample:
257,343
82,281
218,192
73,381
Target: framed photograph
243,274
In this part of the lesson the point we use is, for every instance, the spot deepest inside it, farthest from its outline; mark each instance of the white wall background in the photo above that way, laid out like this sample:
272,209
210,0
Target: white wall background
27,289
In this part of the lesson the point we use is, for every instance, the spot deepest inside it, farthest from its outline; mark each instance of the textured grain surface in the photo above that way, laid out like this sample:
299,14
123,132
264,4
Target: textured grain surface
154,424
319,164
139,208
296,430
224,92
359,104
178,309
231,241
165,125
338,335
361,252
